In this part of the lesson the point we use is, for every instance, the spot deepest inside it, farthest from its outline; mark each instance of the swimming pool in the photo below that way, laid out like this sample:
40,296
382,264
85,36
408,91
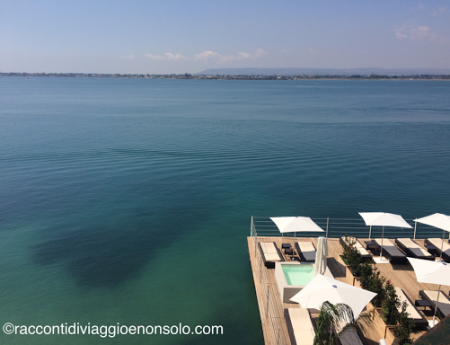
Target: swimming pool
298,274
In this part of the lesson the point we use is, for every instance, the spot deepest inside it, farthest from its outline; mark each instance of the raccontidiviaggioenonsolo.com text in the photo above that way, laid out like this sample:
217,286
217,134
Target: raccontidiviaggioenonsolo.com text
110,331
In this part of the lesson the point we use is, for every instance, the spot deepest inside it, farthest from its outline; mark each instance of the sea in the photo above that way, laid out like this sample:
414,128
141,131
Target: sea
129,201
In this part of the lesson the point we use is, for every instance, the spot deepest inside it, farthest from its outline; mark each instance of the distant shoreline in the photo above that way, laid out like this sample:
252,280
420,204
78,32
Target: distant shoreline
233,77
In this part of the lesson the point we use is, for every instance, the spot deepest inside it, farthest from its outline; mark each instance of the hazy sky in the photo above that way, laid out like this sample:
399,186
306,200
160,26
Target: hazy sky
190,36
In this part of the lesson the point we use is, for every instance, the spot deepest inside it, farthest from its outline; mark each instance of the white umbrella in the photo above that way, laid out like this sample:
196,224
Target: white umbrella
432,272
322,289
438,220
296,224
320,265
384,219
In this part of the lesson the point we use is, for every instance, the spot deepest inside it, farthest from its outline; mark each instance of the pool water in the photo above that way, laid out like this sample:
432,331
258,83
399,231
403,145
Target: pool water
298,274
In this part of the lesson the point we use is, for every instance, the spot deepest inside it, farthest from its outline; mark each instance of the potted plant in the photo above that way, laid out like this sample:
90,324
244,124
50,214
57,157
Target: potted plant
334,319
351,257
404,327
390,305
372,280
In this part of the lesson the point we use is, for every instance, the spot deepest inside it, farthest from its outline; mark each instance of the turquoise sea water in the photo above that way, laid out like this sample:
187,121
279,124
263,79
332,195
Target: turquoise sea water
298,274
129,201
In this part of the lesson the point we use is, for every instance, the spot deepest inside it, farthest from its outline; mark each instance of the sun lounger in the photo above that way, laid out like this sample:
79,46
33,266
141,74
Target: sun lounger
411,248
300,326
413,313
348,337
359,247
270,254
393,254
443,309
437,243
306,250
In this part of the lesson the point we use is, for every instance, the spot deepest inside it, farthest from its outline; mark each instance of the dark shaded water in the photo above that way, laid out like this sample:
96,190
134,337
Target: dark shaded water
130,200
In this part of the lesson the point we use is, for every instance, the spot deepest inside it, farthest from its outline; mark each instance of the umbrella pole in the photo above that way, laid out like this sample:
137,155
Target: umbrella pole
442,244
370,231
382,237
415,228
435,308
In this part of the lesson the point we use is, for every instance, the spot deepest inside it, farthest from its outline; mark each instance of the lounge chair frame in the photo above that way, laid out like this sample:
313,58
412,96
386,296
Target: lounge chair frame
423,322
433,305
410,252
363,256
445,255
394,254
270,263
302,255
290,325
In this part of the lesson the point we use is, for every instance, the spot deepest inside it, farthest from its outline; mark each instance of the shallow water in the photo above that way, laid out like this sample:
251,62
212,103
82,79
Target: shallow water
129,201
298,274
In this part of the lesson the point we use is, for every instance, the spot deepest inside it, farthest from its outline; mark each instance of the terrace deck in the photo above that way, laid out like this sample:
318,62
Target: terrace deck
272,309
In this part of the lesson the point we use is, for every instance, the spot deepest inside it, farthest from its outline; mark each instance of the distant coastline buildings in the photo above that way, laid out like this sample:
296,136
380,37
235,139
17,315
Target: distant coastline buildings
235,77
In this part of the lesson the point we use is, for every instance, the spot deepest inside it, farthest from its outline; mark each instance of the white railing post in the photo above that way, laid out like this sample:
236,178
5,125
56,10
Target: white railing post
328,221
251,227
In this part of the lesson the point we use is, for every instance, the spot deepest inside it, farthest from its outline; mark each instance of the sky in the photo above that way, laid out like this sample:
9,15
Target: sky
160,37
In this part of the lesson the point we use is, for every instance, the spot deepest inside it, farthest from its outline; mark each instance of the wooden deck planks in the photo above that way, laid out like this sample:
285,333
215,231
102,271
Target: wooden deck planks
270,308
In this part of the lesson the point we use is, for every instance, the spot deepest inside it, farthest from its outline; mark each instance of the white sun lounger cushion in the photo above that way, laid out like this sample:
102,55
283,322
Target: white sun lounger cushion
386,243
388,246
413,247
308,250
410,309
437,242
444,303
302,326
270,251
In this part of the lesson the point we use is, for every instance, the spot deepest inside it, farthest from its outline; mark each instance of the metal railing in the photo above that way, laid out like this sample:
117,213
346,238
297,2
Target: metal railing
338,227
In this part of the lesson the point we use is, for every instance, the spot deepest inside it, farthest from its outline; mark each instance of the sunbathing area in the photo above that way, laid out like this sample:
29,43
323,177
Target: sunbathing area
283,323
350,289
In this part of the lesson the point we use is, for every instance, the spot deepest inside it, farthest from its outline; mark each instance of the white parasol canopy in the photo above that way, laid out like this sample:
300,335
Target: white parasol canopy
296,224
432,272
322,289
320,265
438,220
384,219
